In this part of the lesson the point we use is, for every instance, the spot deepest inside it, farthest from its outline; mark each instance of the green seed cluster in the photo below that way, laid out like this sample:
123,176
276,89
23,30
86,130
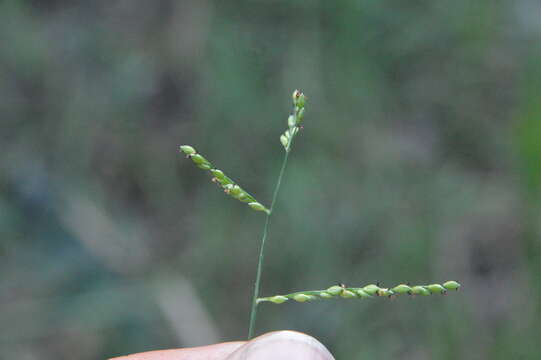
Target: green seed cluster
229,186
294,120
367,291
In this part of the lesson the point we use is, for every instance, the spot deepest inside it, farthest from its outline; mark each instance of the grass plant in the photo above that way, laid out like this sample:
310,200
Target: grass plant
231,188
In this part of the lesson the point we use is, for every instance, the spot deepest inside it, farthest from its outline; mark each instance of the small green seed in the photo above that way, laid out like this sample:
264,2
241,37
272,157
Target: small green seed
335,290
371,289
235,191
402,289
385,292
204,166
325,295
300,101
302,297
278,299
420,290
218,174
240,196
363,294
257,206
291,121
436,289
198,159
300,115
187,149
296,95
244,197
224,182
451,285
348,294
284,140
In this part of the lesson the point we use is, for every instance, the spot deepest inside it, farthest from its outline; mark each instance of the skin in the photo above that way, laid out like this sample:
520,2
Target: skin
274,345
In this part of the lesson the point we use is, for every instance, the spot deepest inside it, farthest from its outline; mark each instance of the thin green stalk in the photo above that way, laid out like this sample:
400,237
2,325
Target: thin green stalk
286,139
253,312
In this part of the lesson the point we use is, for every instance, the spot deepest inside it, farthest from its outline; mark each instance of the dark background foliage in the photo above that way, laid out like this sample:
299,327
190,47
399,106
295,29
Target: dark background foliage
419,161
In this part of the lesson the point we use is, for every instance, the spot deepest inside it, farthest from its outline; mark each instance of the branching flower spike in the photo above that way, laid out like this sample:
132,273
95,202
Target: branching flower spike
368,291
229,186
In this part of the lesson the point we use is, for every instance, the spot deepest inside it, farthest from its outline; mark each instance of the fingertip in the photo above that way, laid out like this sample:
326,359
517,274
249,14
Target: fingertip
285,344
214,352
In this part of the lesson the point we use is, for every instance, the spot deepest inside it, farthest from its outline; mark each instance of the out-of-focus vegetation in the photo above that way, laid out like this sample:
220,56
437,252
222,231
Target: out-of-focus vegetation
420,161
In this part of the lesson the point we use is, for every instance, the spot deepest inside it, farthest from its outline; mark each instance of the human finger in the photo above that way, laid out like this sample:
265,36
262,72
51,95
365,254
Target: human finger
214,352
281,345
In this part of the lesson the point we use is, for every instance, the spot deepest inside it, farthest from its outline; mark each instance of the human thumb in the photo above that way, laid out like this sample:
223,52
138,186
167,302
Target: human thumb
282,345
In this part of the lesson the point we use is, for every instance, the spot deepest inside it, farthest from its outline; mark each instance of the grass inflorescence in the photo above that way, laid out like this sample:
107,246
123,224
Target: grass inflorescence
226,183
365,292
231,188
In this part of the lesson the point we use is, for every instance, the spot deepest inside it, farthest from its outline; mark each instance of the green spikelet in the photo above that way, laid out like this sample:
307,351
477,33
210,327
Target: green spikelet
303,297
335,290
451,285
371,289
420,290
402,289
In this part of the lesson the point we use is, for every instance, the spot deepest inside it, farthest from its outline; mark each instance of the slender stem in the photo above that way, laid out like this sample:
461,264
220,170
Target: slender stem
253,313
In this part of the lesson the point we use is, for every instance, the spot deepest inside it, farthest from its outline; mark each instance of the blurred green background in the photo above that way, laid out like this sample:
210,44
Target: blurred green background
420,161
